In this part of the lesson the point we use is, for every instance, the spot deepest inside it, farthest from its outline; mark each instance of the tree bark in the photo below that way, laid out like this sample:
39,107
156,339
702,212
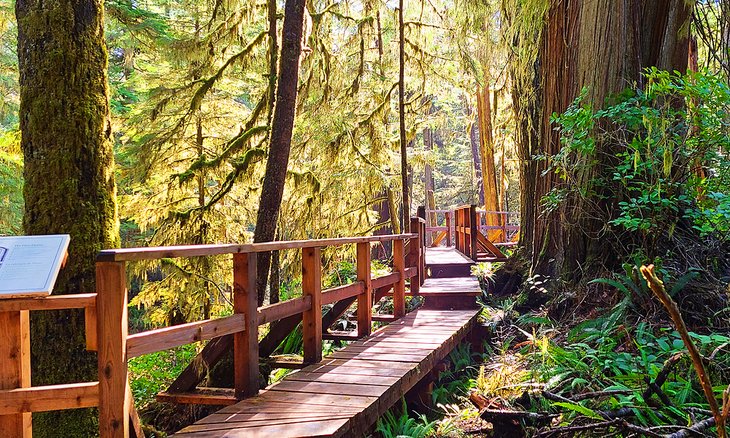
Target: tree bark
486,150
282,126
405,219
602,45
69,179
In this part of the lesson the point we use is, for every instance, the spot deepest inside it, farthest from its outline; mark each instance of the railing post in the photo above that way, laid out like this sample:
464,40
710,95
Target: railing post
504,226
111,307
15,367
312,319
365,299
422,239
448,229
474,229
399,288
245,343
415,246
460,230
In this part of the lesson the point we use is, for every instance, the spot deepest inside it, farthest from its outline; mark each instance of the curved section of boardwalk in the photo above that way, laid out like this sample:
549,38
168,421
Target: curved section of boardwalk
348,391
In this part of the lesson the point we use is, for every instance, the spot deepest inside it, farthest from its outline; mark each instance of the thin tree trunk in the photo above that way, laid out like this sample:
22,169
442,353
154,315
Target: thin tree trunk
402,119
476,158
486,150
428,184
273,59
69,179
282,126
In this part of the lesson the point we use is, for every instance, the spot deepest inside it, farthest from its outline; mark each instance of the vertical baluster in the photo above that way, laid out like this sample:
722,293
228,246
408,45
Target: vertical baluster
111,307
448,228
415,255
246,343
474,229
399,288
365,299
312,318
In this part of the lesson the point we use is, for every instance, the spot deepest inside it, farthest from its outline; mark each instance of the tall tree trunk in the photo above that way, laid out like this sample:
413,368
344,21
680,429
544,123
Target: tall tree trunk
273,60
428,184
486,150
476,158
282,126
603,45
402,118
69,179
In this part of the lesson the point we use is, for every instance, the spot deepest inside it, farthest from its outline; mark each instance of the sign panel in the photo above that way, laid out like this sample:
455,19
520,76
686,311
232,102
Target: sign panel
29,265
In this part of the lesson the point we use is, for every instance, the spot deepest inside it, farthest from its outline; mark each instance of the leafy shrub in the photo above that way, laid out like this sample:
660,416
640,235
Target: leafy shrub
663,156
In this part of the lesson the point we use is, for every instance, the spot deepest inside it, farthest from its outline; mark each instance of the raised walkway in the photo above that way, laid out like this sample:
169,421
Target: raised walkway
344,394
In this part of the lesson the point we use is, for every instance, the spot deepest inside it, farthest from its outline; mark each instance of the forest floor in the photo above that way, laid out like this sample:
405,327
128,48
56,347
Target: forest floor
606,368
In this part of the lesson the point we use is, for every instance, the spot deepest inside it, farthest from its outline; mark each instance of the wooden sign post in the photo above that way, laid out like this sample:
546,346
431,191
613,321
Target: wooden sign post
29,266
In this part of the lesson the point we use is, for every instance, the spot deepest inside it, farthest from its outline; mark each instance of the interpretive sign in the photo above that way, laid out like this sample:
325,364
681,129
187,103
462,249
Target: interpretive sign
29,265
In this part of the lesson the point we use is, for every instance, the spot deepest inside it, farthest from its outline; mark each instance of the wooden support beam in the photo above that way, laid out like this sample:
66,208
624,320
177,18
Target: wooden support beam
170,337
489,247
399,288
111,307
245,343
48,398
205,360
201,396
135,424
53,302
312,319
14,370
364,300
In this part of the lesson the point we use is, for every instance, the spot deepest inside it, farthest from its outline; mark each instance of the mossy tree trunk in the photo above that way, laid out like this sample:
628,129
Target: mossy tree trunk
603,45
69,179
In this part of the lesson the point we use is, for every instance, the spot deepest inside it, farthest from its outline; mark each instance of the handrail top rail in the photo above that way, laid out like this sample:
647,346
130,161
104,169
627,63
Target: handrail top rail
157,252
478,211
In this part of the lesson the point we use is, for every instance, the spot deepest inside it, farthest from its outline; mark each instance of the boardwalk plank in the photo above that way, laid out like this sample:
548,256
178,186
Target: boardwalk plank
345,393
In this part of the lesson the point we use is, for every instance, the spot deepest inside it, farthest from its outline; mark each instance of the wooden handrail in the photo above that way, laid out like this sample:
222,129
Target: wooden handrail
152,341
243,324
284,309
49,398
338,293
151,253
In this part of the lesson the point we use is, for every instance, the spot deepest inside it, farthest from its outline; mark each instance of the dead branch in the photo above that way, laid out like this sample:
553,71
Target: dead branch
598,394
492,415
694,429
572,429
657,286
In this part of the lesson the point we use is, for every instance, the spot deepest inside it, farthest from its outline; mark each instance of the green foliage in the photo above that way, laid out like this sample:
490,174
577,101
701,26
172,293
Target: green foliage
152,373
404,426
11,183
605,354
662,160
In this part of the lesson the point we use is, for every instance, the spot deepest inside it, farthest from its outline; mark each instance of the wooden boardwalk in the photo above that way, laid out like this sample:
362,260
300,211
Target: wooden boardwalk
344,394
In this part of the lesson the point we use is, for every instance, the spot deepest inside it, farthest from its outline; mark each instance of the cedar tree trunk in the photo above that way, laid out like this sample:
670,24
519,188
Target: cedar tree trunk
602,45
